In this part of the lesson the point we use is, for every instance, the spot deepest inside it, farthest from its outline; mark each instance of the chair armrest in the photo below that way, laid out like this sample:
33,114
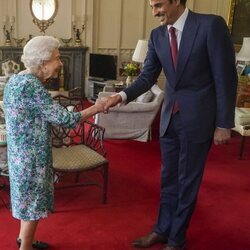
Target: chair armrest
93,137
135,107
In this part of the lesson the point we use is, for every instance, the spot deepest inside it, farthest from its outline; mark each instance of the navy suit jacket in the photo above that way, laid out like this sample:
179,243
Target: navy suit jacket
205,80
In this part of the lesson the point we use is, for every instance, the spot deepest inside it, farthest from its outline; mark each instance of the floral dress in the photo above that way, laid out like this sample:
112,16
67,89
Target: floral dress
29,113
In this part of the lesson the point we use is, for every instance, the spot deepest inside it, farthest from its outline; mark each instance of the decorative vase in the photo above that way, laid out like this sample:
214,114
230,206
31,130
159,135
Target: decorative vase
129,80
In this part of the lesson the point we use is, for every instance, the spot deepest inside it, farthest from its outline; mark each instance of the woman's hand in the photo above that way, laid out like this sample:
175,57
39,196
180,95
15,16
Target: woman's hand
112,101
100,104
98,107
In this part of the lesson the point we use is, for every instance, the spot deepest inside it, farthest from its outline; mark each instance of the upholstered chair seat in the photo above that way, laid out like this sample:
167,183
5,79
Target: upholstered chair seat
242,126
76,158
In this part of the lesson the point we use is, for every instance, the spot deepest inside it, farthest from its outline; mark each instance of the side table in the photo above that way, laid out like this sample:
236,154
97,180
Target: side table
112,86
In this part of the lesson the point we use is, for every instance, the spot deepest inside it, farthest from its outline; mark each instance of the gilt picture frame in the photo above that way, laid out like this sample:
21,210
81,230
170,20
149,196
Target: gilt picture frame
238,20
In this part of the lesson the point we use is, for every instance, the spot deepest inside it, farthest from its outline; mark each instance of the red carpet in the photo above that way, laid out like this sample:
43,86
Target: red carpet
80,222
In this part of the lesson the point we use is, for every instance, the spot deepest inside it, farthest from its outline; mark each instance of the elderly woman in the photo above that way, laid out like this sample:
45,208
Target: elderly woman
29,113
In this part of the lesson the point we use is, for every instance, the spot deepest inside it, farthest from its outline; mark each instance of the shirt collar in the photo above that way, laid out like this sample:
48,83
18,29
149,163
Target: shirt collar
179,24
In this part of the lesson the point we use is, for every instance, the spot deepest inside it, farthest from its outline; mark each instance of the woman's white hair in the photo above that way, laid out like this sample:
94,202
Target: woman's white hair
38,50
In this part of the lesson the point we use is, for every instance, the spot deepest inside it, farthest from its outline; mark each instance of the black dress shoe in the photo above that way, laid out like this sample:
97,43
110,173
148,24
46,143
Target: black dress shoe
36,244
149,240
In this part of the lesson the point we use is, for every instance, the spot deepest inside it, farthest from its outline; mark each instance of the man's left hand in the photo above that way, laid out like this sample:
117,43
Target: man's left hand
222,135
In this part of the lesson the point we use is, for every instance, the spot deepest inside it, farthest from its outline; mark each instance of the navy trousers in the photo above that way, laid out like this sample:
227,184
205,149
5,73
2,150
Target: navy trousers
183,164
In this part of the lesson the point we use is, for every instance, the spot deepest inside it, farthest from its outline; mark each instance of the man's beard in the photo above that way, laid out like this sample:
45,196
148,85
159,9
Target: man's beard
163,22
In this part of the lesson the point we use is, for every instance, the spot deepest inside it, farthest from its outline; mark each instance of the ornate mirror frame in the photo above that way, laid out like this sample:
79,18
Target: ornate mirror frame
43,24
238,20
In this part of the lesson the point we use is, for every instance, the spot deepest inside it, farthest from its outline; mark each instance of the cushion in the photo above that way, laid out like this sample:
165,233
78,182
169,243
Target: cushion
242,116
243,130
76,158
146,97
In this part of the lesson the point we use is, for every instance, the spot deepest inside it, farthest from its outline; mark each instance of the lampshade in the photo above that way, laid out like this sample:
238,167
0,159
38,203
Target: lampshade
140,51
244,53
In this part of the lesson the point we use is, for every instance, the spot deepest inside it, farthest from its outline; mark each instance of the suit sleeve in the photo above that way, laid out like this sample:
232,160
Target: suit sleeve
222,60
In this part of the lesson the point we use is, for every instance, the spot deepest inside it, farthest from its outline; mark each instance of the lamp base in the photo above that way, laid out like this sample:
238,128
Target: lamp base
7,43
78,43
129,80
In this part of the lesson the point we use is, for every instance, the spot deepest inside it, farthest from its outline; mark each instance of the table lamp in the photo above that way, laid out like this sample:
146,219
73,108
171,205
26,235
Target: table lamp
244,53
140,51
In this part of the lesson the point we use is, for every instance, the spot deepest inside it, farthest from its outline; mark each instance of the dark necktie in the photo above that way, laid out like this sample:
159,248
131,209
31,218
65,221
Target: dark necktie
173,45
174,52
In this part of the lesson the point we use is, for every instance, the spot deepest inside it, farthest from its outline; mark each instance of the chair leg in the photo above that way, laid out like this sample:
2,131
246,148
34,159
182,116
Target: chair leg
105,183
242,147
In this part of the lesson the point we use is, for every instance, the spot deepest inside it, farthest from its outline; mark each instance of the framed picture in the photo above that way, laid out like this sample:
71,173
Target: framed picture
239,19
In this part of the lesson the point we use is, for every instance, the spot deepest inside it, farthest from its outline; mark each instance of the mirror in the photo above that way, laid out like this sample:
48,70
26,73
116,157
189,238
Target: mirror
43,12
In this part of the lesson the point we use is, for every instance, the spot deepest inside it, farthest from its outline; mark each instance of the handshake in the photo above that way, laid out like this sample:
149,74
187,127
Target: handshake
103,104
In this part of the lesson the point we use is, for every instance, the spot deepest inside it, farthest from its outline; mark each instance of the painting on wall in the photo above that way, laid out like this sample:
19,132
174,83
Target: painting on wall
239,19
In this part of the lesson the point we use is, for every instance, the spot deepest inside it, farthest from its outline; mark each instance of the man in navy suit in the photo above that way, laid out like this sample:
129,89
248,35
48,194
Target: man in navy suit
198,108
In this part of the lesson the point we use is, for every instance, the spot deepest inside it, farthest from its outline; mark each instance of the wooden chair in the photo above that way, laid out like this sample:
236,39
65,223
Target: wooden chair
80,150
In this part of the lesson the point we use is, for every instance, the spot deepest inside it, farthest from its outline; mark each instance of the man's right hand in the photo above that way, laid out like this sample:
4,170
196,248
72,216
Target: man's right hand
112,101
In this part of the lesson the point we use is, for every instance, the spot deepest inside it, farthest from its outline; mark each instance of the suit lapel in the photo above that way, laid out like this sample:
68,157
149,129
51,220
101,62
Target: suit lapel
187,41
